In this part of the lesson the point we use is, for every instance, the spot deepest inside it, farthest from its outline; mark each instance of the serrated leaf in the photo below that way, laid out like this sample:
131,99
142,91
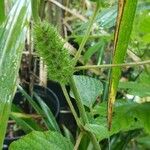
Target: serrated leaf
89,89
42,140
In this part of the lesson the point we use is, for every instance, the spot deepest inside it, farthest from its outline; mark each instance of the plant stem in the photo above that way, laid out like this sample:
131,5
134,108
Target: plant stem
70,105
77,56
113,65
83,113
94,141
78,101
78,140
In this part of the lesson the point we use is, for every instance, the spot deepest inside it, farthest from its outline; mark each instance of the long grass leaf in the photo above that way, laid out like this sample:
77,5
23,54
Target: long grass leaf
126,13
44,112
11,45
48,114
2,11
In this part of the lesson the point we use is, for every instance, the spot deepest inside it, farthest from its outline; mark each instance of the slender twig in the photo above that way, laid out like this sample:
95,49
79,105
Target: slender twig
76,14
77,56
78,140
94,36
113,65
70,105
23,115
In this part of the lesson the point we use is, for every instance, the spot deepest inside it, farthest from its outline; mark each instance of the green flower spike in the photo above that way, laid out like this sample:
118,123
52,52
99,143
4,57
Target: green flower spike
50,46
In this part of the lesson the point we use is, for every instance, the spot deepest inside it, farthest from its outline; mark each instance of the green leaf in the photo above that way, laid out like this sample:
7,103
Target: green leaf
144,141
126,14
134,88
35,10
12,40
25,121
91,51
42,109
100,131
68,134
141,30
2,11
42,140
89,89
107,17
48,114
127,116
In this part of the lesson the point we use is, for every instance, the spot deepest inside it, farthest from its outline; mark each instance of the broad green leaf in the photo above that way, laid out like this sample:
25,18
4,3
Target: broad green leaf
127,116
89,89
12,40
135,88
100,131
141,30
42,140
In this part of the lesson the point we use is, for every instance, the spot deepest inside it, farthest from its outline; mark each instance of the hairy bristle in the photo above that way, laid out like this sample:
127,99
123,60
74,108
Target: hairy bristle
49,46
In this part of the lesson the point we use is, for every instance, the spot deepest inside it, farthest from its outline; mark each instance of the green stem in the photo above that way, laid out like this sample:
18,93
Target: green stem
83,113
94,141
78,101
113,65
70,105
78,140
77,56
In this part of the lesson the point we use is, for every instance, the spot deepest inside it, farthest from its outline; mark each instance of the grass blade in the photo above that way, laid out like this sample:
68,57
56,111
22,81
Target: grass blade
43,111
11,45
2,11
48,114
126,13
25,121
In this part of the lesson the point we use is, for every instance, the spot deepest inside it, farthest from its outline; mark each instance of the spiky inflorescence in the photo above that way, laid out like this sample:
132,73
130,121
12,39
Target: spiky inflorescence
49,46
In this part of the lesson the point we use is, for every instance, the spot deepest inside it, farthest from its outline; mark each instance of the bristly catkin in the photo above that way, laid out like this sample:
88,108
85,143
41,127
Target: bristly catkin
49,46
